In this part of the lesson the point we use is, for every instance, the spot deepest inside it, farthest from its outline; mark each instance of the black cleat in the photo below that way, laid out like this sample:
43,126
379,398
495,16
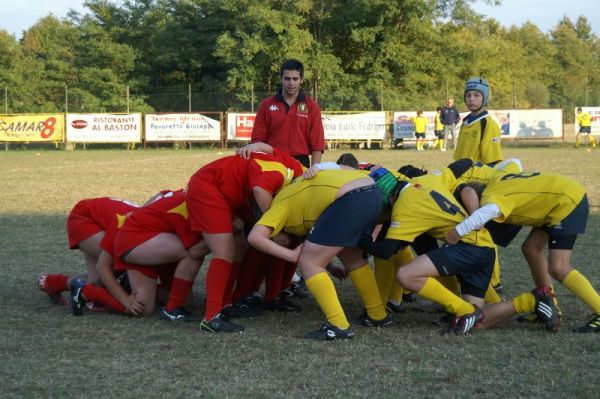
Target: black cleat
410,297
592,326
179,314
330,333
545,310
365,320
393,307
463,324
77,299
281,304
445,320
241,310
220,323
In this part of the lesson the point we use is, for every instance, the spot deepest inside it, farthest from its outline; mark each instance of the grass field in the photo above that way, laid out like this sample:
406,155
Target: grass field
47,352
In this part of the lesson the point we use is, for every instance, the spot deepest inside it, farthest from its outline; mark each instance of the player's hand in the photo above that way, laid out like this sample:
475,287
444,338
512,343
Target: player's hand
134,305
452,237
296,253
248,149
337,271
311,172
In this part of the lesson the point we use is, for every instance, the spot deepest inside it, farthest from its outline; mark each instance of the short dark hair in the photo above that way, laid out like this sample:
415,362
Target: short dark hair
579,109
348,159
292,65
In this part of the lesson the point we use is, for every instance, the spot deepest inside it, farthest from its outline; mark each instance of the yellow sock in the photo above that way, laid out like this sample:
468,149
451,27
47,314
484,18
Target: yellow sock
385,277
495,280
524,303
396,293
491,296
579,285
450,283
577,142
401,258
321,287
592,141
435,291
364,281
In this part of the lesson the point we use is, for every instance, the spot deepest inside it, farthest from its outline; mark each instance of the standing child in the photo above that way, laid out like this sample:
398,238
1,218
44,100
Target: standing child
584,120
479,134
420,124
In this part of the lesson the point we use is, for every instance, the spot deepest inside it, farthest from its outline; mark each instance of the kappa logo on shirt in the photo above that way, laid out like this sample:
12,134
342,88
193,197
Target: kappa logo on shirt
273,107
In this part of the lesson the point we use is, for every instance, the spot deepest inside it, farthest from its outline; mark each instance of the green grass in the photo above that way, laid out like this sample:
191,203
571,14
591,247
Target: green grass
46,352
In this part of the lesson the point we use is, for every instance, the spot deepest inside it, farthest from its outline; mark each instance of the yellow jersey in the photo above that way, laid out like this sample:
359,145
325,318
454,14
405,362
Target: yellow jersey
297,207
420,124
533,199
438,122
478,142
428,207
584,119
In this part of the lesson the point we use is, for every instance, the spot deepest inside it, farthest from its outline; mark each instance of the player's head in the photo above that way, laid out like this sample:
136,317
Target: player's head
419,113
292,65
387,183
579,110
476,85
438,109
348,159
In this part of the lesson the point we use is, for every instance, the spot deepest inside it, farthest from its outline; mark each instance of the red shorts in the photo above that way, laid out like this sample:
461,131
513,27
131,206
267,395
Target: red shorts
208,210
125,241
80,225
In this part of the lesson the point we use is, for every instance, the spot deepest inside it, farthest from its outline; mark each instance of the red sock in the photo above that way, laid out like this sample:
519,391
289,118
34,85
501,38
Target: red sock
97,294
275,270
233,276
217,278
180,288
286,279
56,283
252,262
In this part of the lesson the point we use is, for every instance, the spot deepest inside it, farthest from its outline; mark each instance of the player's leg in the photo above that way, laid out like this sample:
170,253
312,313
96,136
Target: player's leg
363,278
561,269
533,249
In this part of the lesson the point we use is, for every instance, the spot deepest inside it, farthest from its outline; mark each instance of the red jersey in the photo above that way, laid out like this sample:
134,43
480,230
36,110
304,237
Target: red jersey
220,190
108,241
297,130
90,216
168,214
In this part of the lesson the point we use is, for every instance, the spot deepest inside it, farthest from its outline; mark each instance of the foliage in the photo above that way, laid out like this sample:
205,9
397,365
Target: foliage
359,55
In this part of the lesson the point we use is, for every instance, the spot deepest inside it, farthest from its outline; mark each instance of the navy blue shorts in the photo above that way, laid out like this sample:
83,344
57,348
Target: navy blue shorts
472,265
349,217
420,135
585,129
574,223
439,134
502,233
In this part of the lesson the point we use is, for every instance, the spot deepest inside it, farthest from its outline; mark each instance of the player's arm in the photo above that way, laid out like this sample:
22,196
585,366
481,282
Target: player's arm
314,170
315,157
474,222
383,249
105,272
260,238
258,146
262,197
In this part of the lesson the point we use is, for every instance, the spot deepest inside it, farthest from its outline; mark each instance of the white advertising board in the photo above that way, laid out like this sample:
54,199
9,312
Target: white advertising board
181,127
104,128
360,126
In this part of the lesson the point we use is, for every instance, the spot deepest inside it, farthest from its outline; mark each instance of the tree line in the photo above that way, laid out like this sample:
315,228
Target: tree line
358,54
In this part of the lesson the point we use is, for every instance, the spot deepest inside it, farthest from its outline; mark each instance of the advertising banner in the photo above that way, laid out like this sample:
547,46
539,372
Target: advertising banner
181,127
595,114
361,126
32,127
514,124
104,128
239,125
404,127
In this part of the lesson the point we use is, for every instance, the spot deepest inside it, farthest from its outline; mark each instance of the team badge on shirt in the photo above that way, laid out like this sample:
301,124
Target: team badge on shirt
273,107
302,108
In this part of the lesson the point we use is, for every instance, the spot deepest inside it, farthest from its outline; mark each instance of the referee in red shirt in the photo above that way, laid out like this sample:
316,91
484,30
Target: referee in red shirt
290,121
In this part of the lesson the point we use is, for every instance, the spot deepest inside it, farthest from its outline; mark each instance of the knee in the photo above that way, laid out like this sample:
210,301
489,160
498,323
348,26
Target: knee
402,277
529,250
